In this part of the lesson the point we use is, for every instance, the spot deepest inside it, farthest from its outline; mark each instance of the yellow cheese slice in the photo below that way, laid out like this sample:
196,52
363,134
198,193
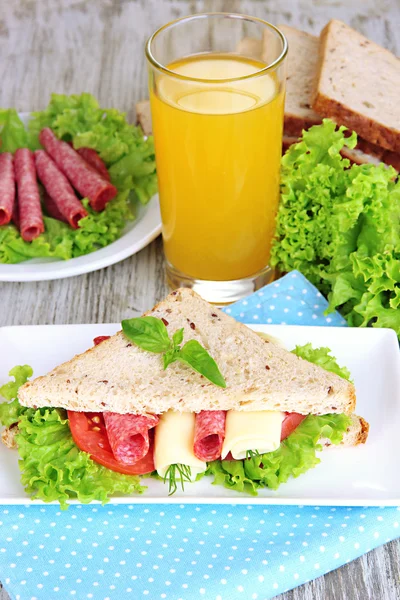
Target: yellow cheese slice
259,431
173,444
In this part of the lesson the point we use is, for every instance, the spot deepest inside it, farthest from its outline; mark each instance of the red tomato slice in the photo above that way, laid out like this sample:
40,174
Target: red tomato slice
290,422
100,338
90,435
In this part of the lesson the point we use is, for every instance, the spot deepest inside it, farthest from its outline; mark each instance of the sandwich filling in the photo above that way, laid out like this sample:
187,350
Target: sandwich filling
92,456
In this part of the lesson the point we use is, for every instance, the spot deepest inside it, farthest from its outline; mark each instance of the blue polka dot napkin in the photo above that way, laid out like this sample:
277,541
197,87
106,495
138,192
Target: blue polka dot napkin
187,552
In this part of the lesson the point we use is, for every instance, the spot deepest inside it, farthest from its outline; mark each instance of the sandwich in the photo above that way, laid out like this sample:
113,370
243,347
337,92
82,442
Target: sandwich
182,392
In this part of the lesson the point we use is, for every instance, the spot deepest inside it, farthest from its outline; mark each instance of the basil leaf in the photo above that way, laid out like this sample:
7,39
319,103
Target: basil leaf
149,333
168,358
177,338
197,357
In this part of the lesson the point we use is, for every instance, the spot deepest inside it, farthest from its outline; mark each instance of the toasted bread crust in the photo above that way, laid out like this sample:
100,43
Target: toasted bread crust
363,434
293,125
368,128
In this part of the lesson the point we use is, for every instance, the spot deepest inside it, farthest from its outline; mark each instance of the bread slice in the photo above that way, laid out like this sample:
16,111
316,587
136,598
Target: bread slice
118,376
302,63
358,157
143,116
357,85
356,434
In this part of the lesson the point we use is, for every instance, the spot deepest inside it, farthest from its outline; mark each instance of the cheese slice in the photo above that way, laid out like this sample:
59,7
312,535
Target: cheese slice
173,444
259,431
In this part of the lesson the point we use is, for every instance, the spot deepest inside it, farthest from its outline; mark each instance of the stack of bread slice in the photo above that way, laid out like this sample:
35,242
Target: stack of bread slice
344,76
340,75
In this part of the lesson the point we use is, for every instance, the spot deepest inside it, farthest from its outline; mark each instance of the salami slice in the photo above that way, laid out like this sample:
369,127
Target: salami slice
129,435
51,208
59,189
30,210
94,160
209,433
7,187
81,175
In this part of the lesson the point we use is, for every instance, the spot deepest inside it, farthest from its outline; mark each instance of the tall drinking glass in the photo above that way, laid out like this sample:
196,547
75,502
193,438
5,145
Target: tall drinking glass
217,86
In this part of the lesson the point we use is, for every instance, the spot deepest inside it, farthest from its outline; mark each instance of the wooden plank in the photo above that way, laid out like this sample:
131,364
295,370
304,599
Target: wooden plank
69,46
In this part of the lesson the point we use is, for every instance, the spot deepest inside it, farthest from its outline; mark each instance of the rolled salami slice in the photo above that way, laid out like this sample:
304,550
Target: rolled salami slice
94,160
129,435
209,434
59,190
81,175
7,187
51,208
30,210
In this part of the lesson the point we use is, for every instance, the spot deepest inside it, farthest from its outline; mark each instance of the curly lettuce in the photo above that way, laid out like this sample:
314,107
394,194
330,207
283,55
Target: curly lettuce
51,464
322,358
297,453
340,226
13,134
128,155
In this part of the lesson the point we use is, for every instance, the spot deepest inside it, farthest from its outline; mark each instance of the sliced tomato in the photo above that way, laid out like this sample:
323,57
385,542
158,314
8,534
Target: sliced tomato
90,435
290,422
100,338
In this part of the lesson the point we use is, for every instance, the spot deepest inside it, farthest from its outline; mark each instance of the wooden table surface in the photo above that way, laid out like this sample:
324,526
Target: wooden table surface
70,46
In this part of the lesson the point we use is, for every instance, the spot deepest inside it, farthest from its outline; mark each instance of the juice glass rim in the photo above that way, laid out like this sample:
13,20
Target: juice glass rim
160,67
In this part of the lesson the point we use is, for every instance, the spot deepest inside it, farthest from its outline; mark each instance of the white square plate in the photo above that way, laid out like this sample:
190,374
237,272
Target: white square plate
366,475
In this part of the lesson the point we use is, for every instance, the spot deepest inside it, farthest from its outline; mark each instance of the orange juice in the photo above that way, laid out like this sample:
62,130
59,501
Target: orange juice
218,149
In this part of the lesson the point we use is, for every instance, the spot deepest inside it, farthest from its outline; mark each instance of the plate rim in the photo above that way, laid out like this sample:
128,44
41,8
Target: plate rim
149,221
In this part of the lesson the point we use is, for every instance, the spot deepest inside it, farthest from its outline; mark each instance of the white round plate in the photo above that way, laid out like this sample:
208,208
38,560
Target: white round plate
136,235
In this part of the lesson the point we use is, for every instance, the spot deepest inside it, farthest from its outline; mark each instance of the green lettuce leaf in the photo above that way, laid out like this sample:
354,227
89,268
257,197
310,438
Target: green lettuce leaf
13,134
52,466
129,158
323,358
295,455
340,227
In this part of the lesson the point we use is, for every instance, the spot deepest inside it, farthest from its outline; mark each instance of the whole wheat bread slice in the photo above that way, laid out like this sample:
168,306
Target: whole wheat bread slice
118,376
302,63
143,116
357,85
356,434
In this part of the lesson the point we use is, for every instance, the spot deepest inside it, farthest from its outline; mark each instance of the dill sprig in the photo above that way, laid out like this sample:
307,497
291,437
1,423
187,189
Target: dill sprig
177,473
252,454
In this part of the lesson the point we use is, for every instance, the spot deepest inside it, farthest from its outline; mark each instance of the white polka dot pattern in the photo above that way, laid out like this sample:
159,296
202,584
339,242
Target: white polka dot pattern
162,551
292,300
198,552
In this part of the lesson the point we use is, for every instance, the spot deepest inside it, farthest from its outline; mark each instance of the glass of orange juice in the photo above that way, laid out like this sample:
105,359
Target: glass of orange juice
217,87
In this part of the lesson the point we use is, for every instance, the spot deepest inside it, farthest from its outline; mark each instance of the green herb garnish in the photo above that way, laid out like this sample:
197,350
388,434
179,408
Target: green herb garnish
252,454
151,334
175,474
